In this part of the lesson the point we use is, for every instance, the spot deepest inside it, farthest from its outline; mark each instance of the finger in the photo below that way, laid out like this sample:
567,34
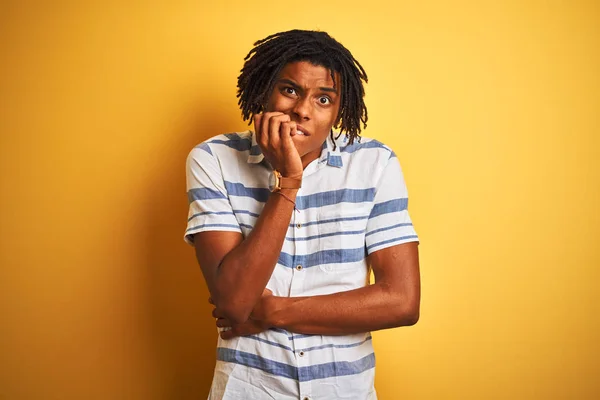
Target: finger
263,129
287,142
210,301
264,126
267,292
256,119
293,128
223,323
227,334
274,129
284,130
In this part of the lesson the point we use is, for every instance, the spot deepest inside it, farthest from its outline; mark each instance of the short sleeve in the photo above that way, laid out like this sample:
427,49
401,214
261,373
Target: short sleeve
209,206
389,223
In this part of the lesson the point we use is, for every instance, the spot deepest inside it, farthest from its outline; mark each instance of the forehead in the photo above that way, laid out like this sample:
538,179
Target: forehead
307,74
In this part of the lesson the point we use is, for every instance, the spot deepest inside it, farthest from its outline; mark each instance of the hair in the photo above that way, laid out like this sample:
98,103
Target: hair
270,55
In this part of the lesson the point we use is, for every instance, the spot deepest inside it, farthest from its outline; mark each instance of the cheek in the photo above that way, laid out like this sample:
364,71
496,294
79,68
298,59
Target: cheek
278,102
327,120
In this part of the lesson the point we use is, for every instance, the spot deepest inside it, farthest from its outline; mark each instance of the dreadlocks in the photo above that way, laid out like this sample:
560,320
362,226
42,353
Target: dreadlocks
270,55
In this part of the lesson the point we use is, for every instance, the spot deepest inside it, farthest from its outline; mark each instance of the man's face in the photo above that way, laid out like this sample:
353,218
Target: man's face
305,92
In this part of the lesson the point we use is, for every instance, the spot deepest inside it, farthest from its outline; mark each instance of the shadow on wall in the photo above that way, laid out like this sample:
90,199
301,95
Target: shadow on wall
183,333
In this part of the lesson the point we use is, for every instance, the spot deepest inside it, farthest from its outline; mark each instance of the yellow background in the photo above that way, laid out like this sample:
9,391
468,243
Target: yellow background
492,107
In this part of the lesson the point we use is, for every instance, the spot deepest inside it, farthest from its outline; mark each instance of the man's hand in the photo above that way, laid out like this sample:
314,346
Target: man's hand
274,131
258,321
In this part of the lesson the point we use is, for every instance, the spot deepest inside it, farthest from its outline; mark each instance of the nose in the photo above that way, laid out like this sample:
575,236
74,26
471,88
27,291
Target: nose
302,109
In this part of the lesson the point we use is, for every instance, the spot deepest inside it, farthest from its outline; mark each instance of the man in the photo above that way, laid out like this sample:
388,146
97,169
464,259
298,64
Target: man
286,222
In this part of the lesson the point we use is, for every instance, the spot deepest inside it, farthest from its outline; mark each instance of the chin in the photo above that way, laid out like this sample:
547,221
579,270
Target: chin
297,143
301,151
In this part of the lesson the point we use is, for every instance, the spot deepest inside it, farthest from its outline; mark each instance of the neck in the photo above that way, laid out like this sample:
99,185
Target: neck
310,157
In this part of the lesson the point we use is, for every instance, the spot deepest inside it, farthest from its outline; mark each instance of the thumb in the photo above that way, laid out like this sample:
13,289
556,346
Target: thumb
267,292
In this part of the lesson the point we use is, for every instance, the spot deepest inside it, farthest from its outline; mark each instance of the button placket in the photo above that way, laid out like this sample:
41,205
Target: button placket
299,269
297,289
305,389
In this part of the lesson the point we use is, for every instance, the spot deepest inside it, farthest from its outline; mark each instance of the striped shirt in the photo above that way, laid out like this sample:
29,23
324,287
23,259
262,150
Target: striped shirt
353,201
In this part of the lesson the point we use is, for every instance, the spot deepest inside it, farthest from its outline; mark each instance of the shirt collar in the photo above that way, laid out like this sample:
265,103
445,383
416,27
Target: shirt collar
332,157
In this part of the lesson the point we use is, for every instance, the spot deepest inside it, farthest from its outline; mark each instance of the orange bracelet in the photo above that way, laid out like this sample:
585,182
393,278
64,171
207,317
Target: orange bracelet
288,199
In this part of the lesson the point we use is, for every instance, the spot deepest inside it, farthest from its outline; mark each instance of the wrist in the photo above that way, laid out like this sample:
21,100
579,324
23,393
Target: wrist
279,181
274,307
289,192
293,175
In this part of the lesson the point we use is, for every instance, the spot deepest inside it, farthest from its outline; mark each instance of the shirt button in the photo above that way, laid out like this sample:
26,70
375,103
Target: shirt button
301,354
306,398
298,267
298,225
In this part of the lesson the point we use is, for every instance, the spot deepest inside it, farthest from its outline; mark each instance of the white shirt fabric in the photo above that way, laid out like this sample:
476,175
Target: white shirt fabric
353,201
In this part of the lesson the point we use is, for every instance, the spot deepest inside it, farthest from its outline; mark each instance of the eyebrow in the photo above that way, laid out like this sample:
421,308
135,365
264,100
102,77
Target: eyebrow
295,86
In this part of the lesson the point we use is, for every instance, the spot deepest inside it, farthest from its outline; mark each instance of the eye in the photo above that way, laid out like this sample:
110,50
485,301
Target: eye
324,100
289,90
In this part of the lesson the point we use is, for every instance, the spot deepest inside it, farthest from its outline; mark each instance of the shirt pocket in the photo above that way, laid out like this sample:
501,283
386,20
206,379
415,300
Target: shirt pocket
342,238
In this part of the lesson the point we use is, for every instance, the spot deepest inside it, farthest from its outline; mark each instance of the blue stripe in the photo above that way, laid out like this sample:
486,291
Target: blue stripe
204,194
279,330
335,197
255,151
392,240
325,346
302,336
302,374
334,160
387,228
373,144
336,256
238,189
327,221
246,226
389,207
247,212
304,202
339,368
283,331
209,213
325,235
337,346
211,226
259,339
254,361
239,144
392,155
205,147
290,335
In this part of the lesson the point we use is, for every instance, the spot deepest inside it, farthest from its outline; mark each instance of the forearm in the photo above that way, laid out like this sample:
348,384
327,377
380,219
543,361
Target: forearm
366,309
245,271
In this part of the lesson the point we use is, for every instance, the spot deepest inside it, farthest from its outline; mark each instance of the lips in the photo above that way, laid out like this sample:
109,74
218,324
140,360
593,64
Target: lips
300,131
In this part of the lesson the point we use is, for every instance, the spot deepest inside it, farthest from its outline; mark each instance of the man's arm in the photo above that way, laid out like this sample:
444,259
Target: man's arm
237,270
392,301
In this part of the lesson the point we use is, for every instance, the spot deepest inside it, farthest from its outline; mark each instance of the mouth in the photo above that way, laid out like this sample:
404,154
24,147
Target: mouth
300,131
